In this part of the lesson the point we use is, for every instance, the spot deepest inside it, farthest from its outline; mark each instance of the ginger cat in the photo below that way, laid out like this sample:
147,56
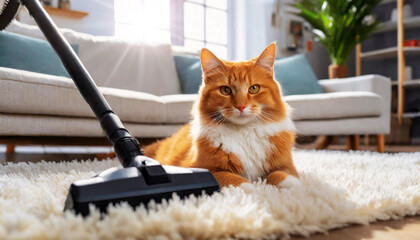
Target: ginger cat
241,129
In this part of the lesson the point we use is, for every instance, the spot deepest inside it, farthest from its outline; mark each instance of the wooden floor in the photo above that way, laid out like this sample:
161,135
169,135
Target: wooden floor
406,229
388,149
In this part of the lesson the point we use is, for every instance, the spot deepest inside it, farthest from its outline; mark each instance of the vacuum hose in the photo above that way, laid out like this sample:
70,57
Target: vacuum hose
8,12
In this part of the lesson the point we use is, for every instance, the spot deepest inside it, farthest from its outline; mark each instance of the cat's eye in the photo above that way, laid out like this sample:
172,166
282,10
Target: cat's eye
254,89
225,90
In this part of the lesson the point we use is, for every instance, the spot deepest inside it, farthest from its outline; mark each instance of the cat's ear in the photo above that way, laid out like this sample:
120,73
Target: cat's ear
267,58
210,63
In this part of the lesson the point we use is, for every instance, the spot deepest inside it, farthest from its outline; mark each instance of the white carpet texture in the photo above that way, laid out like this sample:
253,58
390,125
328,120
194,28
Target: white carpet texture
335,189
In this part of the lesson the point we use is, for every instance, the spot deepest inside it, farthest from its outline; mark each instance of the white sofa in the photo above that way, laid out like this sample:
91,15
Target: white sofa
40,106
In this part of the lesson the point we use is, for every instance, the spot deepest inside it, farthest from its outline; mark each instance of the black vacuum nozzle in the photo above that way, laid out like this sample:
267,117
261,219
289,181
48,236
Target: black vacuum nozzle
138,185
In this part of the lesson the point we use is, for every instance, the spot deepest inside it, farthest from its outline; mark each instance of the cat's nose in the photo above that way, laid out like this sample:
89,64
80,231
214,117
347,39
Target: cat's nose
241,108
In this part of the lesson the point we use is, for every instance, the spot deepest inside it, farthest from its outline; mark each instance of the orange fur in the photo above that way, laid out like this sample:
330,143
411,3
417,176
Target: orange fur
191,147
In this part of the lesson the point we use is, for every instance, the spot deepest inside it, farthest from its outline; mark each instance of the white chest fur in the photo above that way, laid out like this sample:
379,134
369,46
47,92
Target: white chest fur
250,143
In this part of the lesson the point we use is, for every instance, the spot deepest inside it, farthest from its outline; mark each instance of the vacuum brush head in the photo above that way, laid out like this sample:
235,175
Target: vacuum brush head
138,185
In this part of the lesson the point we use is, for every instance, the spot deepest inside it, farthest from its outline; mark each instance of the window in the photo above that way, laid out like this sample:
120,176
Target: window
147,20
205,25
193,24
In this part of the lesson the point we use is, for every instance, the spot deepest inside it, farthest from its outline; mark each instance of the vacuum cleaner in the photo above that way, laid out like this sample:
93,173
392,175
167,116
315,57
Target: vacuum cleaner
142,179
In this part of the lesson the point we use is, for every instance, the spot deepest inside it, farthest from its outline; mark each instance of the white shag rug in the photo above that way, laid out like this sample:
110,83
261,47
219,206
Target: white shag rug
335,189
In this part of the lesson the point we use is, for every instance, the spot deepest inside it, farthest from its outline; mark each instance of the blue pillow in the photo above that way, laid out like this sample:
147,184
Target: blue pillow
293,73
30,54
189,72
295,76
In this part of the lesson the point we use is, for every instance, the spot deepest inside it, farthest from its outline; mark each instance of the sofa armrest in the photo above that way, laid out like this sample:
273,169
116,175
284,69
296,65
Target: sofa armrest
367,83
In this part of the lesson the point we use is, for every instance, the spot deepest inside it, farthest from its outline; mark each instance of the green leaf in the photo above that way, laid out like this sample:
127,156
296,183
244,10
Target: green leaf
339,24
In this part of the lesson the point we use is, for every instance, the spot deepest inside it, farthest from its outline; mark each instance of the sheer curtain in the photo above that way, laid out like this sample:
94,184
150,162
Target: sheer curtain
250,29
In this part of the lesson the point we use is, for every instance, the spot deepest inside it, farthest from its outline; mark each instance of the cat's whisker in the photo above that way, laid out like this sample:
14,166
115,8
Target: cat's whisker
214,117
215,121
264,118
269,114
267,117
258,118
221,120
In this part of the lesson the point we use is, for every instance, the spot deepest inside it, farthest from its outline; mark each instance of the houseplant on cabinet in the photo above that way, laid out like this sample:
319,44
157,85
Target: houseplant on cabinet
339,25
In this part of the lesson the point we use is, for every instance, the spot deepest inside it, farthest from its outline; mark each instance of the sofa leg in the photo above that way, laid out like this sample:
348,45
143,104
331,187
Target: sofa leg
322,142
352,142
348,142
10,148
380,141
367,139
356,142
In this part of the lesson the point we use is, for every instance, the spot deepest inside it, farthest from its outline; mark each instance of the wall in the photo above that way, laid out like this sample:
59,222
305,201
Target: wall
100,20
250,31
248,21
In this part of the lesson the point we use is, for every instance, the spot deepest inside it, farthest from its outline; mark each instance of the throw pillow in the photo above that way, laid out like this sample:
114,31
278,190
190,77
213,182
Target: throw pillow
30,54
295,76
189,72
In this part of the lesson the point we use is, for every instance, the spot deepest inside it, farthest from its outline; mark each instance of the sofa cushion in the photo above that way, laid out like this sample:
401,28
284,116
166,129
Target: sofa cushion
334,105
295,76
25,92
31,54
305,107
38,125
178,107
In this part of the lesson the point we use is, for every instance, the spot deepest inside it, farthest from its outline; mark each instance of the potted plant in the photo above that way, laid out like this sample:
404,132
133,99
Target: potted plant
339,25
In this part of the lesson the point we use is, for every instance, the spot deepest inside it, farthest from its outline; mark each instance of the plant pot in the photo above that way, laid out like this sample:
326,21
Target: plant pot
337,71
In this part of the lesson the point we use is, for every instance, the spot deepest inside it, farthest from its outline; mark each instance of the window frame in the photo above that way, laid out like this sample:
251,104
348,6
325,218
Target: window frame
176,25
180,5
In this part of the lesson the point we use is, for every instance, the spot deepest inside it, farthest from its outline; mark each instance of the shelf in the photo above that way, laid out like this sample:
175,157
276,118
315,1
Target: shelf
387,1
397,28
411,115
65,12
412,22
389,53
408,83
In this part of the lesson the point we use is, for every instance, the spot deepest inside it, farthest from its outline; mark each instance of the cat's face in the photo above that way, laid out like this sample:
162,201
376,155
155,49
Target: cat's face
240,92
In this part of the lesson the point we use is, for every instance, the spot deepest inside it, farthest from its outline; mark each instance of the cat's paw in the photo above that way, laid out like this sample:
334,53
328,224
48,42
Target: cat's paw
291,182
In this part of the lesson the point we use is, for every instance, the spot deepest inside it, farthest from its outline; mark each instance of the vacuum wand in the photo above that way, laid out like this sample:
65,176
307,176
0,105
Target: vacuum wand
126,147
